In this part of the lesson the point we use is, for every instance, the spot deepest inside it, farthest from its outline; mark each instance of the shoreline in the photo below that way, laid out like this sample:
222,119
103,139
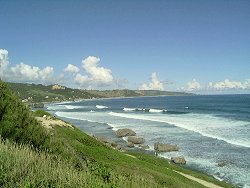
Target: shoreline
149,152
192,165
103,98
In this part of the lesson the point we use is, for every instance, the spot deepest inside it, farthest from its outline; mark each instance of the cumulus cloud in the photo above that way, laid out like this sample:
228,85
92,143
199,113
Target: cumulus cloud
82,80
23,72
155,84
71,68
193,85
229,85
4,61
96,75
27,73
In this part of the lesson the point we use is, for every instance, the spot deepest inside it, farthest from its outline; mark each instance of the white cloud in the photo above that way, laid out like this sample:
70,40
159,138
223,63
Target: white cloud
96,75
99,74
82,80
4,61
26,73
193,85
227,85
71,68
155,84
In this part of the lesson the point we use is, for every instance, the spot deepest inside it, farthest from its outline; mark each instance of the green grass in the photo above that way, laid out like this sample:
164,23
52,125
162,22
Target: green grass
41,113
77,146
74,159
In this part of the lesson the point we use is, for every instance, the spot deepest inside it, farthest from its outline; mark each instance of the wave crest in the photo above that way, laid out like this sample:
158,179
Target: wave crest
101,106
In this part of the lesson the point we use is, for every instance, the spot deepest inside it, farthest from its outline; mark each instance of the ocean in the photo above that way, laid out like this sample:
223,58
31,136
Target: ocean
209,129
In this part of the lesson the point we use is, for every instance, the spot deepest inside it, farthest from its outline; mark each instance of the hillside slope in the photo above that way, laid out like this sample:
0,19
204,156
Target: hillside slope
42,93
64,156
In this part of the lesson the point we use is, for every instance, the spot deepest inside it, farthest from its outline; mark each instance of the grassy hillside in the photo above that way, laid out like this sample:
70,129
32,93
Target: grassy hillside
41,93
64,156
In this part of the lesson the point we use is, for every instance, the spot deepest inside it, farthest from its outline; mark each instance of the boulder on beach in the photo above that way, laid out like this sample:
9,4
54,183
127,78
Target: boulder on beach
125,132
165,147
130,144
142,146
136,140
178,160
106,141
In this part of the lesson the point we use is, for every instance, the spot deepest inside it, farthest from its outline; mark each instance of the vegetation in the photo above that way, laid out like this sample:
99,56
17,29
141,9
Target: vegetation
17,122
41,113
32,156
41,93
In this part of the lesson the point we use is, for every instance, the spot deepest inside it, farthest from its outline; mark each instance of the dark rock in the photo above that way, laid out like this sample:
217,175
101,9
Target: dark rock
130,144
136,140
221,163
178,160
125,132
165,147
38,105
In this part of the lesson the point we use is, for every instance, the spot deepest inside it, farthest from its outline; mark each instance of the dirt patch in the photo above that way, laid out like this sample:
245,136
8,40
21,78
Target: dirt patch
202,182
48,122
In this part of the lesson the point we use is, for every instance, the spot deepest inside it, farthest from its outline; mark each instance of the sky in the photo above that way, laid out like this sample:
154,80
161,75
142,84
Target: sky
193,46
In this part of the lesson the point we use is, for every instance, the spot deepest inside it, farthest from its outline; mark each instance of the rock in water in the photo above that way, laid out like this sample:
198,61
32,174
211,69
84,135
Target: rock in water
130,144
165,147
178,160
221,163
136,140
125,132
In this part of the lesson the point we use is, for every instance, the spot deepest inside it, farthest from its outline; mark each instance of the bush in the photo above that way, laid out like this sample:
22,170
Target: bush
17,122
41,113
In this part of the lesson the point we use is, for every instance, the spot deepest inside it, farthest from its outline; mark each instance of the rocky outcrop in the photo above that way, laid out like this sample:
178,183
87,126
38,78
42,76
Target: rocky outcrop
136,140
178,160
130,144
165,147
125,132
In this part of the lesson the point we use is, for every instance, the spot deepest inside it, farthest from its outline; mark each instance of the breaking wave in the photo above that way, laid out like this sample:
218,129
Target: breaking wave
206,125
100,106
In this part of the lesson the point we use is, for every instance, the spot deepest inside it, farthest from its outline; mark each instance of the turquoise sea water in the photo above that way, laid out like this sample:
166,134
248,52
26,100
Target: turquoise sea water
208,129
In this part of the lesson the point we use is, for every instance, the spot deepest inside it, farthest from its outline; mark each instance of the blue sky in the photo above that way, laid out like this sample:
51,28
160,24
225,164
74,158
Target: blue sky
170,45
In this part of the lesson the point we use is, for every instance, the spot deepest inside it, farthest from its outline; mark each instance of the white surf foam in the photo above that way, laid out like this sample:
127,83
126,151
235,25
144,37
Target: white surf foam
247,185
76,116
129,109
62,107
152,110
100,106
206,125
71,107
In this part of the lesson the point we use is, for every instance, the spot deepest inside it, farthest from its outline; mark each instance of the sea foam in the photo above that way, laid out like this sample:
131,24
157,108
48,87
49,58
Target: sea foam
100,106
206,125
